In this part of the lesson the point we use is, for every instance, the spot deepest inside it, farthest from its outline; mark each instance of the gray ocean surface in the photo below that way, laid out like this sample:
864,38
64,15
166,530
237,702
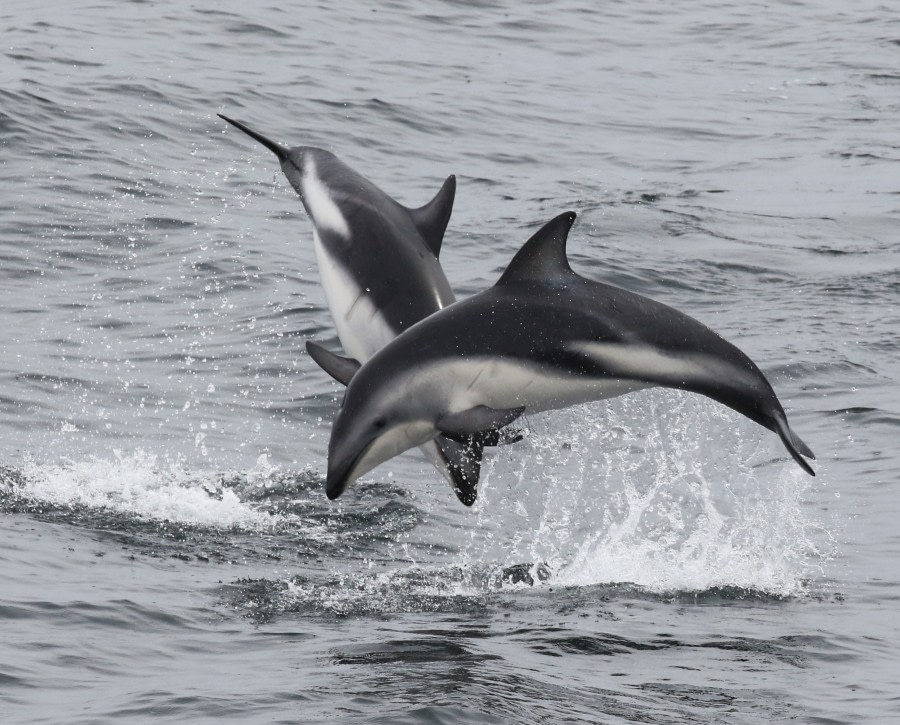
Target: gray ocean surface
167,553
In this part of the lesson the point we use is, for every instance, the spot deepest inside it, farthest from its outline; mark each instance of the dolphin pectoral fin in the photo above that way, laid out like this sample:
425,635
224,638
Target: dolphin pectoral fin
796,447
463,460
339,367
463,454
479,419
431,220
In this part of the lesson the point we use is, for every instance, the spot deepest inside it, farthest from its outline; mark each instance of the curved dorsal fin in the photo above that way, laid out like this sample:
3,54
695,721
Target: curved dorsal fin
543,257
431,220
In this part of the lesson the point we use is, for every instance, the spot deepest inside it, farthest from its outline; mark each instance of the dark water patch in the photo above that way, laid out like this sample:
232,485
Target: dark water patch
131,89
592,645
353,595
123,284
652,197
129,188
184,708
888,78
829,369
865,416
723,596
26,311
836,252
479,689
481,181
55,382
410,652
167,223
121,614
9,681
703,701
781,650
248,28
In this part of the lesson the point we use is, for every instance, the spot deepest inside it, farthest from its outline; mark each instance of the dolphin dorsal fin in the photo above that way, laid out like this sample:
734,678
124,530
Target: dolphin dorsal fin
543,257
431,220
340,368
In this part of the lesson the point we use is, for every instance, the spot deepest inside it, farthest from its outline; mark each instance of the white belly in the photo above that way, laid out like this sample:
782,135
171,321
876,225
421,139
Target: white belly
504,384
360,326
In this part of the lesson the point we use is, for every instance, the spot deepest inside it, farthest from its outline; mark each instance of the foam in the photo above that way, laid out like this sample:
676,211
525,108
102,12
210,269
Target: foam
139,484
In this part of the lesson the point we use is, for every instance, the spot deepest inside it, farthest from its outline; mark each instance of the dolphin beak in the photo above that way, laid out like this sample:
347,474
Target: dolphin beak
342,474
280,151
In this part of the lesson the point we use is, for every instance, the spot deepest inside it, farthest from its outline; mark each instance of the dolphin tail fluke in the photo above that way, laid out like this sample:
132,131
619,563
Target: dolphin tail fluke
796,447
463,460
431,220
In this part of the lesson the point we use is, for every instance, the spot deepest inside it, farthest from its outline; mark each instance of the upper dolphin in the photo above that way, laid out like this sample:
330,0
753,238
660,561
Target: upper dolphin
378,262
543,337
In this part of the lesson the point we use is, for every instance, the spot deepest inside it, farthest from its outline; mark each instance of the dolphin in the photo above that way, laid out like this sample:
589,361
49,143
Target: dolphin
543,337
378,262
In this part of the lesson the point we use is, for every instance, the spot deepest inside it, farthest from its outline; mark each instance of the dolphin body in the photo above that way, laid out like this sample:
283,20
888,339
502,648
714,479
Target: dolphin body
542,338
378,262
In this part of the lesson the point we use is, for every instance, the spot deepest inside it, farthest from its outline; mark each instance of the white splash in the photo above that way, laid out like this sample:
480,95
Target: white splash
136,483
664,490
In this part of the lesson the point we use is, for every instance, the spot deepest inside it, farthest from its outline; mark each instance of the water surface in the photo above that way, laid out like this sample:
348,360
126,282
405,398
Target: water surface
169,552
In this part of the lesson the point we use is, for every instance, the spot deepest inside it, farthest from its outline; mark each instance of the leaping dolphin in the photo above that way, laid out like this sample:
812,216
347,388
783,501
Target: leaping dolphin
378,262
542,338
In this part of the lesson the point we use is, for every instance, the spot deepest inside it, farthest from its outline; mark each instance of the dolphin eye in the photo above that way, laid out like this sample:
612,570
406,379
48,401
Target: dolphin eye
380,423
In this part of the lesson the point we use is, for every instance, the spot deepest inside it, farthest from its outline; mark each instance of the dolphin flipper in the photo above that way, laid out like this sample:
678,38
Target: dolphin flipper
463,455
478,419
339,367
463,460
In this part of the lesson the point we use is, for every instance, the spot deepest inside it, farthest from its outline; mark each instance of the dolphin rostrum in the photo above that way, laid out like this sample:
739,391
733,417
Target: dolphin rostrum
542,338
378,262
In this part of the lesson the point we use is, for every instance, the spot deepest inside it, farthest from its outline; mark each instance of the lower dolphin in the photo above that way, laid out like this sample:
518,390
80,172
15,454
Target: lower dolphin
542,338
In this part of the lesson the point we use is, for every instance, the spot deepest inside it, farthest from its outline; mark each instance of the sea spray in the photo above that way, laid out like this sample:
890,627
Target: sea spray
666,491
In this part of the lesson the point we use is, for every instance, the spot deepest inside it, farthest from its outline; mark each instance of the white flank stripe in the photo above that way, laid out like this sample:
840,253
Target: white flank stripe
360,327
644,361
322,208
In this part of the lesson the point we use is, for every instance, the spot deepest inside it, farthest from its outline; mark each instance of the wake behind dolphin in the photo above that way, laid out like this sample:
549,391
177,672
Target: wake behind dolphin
378,262
542,338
